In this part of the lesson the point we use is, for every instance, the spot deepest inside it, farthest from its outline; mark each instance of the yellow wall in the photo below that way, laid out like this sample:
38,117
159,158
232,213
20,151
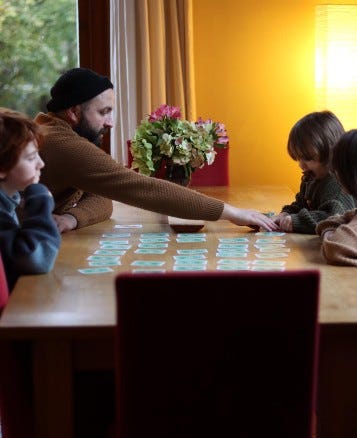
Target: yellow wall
254,64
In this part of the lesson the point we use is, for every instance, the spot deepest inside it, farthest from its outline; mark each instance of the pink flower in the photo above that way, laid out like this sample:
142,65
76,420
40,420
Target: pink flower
222,140
221,134
171,112
201,122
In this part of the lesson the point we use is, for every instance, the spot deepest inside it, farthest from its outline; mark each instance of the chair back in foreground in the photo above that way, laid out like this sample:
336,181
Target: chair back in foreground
4,291
16,417
216,354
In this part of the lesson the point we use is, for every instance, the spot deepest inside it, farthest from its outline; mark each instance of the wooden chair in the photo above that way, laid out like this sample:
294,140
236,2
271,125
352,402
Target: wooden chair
216,354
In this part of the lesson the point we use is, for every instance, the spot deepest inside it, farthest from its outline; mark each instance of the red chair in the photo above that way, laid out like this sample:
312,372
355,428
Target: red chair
16,417
216,354
216,174
4,292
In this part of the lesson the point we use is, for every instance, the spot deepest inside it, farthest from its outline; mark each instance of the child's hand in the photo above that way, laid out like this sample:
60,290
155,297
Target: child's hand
286,224
284,221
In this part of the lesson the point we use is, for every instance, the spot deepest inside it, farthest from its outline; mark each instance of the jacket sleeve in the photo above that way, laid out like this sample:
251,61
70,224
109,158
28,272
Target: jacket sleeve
295,206
328,199
89,209
299,202
90,170
32,246
340,246
306,221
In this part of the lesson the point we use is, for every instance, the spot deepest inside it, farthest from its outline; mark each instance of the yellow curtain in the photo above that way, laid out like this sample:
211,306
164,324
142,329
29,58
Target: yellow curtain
165,64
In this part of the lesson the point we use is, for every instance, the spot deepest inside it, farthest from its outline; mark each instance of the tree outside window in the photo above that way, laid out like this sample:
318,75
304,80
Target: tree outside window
38,42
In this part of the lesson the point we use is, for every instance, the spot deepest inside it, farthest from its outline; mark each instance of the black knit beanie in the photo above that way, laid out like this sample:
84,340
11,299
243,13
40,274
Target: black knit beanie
75,87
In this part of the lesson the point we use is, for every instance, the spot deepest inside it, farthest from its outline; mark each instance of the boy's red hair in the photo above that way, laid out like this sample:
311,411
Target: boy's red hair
16,131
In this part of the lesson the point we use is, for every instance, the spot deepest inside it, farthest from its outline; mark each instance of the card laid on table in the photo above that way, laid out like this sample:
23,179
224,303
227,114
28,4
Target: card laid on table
231,254
104,263
233,262
192,262
116,235
189,267
101,258
271,240
154,239
233,246
272,249
271,255
192,251
98,270
150,251
114,242
233,239
233,268
114,246
148,271
110,252
151,245
268,268
147,263
153,235
128,226
189,256
269,262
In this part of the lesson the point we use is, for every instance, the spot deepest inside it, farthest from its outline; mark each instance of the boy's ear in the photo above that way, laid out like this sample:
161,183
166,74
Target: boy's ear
73,115
3,175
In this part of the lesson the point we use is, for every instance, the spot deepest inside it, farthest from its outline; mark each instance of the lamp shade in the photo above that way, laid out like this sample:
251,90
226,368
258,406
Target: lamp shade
336,61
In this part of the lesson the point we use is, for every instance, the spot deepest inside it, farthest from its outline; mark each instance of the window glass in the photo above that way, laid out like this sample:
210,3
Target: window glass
38,42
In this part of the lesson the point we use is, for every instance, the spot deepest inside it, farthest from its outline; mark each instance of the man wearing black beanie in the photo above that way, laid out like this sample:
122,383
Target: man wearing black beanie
75,87
84,179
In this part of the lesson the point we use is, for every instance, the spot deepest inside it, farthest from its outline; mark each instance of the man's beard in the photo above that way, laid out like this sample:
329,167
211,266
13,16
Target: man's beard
84,130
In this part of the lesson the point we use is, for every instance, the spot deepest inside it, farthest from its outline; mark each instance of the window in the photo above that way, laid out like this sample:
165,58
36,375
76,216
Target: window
38,42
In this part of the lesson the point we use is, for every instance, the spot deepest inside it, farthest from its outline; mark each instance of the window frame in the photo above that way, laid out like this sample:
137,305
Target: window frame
94,40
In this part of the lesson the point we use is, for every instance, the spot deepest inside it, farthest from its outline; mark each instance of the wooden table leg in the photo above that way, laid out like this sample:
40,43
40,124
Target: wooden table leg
337,388
53,389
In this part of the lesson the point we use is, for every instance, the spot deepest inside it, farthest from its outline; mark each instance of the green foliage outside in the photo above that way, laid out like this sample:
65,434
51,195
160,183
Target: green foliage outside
38,42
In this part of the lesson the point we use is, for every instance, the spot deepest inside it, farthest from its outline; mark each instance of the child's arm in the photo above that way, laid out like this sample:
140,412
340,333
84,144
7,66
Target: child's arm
325,198
295,206
284,218
339,239
32,246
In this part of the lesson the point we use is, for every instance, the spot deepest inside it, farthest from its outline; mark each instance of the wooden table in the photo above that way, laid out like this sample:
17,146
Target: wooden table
68,318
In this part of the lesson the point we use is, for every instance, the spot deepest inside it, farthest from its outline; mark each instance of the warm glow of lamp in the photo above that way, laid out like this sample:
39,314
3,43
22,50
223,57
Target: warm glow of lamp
336,61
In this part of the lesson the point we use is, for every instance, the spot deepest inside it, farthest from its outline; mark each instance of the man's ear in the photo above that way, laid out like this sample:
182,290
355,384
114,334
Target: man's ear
73,115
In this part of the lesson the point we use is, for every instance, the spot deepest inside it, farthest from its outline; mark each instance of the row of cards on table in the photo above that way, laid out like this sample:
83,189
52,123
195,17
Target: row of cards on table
231,252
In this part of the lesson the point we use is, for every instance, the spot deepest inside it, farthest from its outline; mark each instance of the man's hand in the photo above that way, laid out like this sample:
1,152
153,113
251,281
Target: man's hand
65,222
250,218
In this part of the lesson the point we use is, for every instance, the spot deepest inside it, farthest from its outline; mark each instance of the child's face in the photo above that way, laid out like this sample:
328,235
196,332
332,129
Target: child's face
314,168
26,171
